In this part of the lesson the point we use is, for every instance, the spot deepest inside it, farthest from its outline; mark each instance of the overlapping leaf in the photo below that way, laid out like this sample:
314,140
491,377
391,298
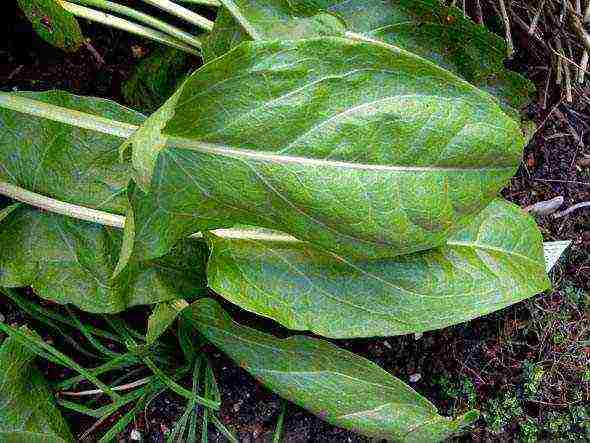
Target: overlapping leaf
495,261
240,20
352,146
340,387
66,147
162,317
442,34
53,23
71,261
27,408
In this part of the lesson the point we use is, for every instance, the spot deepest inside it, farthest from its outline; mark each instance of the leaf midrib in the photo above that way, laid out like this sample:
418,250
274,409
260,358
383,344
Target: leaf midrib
125,130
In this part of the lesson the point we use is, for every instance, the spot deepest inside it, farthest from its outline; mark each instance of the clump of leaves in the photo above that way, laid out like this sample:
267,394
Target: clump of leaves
314,172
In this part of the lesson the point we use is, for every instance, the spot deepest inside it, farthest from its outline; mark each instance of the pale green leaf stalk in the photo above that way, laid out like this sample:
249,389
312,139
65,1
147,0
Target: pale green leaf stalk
68,164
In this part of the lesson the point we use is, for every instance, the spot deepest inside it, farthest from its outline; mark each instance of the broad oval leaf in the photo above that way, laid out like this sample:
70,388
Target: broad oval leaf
493,262
28,412
53,23
340,387
71,261
356,147
440,33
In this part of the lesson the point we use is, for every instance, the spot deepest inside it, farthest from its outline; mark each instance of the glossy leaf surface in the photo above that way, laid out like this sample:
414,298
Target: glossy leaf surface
495,261
340,387
353,146
427,28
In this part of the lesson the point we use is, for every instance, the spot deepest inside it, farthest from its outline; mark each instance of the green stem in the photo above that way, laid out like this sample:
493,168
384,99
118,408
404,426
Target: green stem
118,221
59,207
146,19
125,25
214,3
182,13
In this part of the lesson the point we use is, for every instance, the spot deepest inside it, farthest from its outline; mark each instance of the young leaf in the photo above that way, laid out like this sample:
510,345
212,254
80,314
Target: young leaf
226,34
71,261
428,28
340,387
66,147
162,318
493,262
27,408
356,147
53,23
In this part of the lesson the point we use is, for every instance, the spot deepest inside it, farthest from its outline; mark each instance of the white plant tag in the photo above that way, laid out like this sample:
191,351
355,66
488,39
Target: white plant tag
553,250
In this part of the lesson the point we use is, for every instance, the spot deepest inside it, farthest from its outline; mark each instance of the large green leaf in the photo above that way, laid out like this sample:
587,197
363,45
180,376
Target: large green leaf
53,23
71,261
340,387
428,28
495,261
240,20
66,147
27,407
357,148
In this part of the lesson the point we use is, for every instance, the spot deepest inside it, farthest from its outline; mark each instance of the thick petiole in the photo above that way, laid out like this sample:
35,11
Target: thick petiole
141,17
214,3
125,25
60,207
182,13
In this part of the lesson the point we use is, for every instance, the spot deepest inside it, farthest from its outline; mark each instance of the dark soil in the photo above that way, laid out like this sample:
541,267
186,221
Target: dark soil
489,354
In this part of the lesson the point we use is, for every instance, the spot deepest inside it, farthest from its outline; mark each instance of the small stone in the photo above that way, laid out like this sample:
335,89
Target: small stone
135,435
418,335
415,377
386,344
